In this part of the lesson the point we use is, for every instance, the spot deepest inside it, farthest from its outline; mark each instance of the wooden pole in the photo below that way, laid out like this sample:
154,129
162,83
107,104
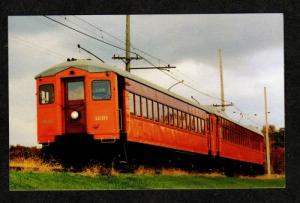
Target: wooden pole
221,79
267,134
128,59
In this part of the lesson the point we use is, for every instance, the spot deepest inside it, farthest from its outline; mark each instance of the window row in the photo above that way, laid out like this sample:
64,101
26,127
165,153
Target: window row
240,138
101,90
149,109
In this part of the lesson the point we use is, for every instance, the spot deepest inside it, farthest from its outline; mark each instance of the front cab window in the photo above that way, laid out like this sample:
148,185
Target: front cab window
46,93
101,90
75,90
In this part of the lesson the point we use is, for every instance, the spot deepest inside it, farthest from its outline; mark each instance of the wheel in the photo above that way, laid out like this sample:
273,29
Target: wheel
229,170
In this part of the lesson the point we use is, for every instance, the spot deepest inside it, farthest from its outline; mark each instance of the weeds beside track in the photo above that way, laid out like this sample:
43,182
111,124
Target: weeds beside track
20,180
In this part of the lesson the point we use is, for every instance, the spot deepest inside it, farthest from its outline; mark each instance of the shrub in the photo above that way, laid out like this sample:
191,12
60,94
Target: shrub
277,160
21,152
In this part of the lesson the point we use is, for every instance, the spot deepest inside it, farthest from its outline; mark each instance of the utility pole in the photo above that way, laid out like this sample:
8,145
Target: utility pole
221,80
267,134
127,58
222,105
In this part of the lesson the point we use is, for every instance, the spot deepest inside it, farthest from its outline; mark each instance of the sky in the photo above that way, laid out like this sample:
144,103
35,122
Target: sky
252,55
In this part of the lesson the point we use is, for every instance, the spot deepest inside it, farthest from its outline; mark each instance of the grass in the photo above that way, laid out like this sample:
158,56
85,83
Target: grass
33,164
28,180
36,175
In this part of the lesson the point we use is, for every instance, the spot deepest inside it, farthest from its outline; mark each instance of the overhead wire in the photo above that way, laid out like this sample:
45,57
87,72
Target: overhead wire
74,23
100,29
33,45
70,41
91,31
145,59
118,39
148,61
173,77
83,33
110,44
243,115
84,28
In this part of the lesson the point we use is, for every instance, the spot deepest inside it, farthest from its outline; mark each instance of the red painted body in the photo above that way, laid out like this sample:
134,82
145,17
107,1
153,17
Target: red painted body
203,132
246,145
149,131
99,118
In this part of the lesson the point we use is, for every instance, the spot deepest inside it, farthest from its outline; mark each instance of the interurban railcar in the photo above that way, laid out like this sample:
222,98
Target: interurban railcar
115,114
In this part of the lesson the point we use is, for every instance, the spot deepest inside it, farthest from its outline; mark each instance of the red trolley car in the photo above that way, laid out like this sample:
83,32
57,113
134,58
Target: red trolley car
120,114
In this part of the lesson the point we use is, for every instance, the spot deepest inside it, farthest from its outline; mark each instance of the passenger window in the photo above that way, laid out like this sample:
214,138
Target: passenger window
131,102
149,106
199,125
166,114
171,116
101,89
187,121
183,120
161,112
179,119
155,111
46,94
144,107
175,117
137,105
227,134
196,124
192,123
202,125
210,125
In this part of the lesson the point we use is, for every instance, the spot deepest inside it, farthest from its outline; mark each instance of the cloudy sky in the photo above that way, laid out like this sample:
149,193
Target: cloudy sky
252,48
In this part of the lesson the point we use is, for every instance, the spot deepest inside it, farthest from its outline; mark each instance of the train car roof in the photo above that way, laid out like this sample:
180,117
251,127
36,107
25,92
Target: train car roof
249,127
92,66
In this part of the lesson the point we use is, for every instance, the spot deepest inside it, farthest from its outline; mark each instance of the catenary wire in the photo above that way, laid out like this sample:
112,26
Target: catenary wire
118,39
148,61
33,45
110,44
173,77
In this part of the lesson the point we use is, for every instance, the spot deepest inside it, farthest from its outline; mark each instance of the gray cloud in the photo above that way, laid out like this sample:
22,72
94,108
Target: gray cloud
199,37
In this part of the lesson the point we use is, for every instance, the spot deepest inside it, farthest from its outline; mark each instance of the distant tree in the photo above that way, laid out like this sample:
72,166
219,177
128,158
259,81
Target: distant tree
22,152
278,138
277,160
277,151
272,129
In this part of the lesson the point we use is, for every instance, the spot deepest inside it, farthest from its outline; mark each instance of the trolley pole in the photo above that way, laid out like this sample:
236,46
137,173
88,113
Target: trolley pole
267,134
221,79
127,57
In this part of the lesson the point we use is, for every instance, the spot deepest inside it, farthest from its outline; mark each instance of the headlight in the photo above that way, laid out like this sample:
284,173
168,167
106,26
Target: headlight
74,115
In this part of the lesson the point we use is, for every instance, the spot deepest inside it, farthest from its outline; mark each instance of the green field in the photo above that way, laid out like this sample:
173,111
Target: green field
70,181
